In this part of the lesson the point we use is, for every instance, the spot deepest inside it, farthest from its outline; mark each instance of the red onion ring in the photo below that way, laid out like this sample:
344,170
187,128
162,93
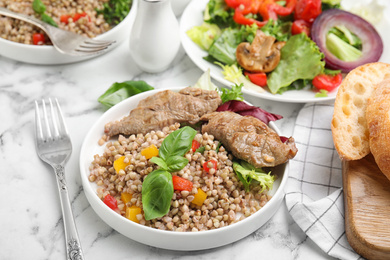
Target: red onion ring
372,44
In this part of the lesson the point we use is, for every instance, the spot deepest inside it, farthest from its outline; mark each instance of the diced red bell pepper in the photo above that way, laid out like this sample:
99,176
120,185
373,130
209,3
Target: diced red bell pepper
38,38
327,82
259,79
300,26
195,145
65,18
307,10
240,18
77,16
269,9
206,165
181,184
111,202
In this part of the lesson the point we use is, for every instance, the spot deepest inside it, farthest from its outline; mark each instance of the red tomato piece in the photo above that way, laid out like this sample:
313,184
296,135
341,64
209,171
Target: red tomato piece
206,165
195,145
259,79
38,38
77,16
180,183
307,10
327,82
110,201
65,18
300,26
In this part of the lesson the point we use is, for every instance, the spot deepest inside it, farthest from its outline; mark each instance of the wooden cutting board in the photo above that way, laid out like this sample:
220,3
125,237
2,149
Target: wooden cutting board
367,208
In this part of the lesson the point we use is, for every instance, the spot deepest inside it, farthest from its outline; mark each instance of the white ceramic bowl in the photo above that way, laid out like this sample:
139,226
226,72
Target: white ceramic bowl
160,238
45,55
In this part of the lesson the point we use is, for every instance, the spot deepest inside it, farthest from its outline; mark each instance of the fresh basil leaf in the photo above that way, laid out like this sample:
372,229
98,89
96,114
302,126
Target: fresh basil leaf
160,162
200,150
122,90
47,19
38,6
177,143
176,163
157,192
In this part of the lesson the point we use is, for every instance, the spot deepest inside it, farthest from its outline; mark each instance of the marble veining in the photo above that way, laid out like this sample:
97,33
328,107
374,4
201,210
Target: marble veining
31,220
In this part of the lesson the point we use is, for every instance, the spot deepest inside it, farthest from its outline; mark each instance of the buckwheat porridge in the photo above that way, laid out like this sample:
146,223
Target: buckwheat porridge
79,16
179,176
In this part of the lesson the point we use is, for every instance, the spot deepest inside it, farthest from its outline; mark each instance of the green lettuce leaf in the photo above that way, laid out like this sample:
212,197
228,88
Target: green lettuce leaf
217,12
300,59
204,35
249,174
224,47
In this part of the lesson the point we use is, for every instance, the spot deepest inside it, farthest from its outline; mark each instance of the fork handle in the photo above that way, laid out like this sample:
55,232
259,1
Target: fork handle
23,17
73,246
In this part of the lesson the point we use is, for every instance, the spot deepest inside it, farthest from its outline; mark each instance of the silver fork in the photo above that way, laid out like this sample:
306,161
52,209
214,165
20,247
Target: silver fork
64,41
54,147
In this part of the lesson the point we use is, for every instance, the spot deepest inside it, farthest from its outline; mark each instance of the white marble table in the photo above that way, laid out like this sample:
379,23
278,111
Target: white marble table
30,216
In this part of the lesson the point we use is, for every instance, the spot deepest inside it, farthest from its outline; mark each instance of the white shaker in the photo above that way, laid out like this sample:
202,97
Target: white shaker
154,39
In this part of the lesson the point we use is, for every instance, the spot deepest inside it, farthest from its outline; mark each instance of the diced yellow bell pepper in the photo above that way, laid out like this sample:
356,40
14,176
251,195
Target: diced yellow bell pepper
132,212
126,197
119,164
199,197
150,151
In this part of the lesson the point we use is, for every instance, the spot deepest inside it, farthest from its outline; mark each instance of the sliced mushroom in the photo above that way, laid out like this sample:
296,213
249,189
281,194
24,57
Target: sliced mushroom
263,55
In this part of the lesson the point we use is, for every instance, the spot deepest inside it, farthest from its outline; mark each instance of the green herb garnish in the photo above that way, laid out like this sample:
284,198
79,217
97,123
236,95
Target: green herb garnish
122,90
234,93
114,11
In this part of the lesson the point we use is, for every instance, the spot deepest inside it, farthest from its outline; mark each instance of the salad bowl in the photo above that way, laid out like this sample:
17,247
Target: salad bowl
161,238
48,55
193,16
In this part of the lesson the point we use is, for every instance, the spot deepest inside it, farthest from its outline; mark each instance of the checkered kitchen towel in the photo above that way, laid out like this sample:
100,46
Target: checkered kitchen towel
314,194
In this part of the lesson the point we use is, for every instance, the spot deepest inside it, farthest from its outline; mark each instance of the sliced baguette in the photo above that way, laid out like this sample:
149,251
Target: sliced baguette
349,125
378,122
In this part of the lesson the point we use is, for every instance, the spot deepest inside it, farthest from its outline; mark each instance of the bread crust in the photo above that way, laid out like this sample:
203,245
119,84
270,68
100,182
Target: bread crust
378,121
349,125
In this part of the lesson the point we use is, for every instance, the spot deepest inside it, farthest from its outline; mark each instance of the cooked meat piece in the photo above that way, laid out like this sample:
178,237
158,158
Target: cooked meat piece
249,139
164,109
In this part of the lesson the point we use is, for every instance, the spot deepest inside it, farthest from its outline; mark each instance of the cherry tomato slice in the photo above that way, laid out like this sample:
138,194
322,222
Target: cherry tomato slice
110,201
327,82
307,10
38,38
180,183
300,26
259,79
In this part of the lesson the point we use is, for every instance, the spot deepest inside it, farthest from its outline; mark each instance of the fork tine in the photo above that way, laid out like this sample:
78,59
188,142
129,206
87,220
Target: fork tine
46,120
38,123
62,126
54,119
99,43
90,50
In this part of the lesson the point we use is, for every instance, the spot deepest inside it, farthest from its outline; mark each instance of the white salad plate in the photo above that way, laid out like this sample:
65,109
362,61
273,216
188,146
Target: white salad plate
193,16
161,238
48,55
